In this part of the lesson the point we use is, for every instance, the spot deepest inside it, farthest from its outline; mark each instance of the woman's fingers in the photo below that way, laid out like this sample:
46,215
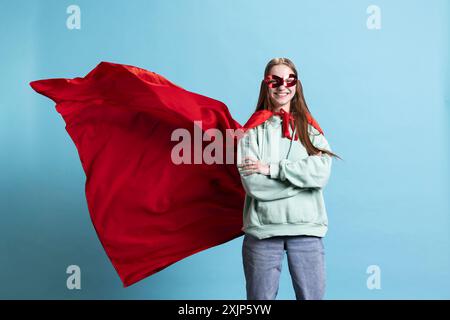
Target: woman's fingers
247,169
249,166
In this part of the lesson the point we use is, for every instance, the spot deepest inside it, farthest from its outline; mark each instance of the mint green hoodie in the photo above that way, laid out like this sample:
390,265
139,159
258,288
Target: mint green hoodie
290,200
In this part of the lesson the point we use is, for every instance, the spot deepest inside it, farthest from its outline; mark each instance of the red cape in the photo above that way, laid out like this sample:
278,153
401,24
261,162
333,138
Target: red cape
148,212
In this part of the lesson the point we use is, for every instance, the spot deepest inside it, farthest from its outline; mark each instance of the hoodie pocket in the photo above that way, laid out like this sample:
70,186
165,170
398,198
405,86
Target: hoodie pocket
299,209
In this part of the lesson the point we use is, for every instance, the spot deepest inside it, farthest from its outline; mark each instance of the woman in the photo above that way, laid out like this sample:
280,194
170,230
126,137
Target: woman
284,164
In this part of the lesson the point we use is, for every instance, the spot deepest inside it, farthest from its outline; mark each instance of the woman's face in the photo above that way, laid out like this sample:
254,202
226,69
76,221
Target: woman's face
282,95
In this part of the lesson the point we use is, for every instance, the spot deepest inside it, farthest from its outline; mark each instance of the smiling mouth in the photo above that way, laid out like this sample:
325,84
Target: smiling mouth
281,94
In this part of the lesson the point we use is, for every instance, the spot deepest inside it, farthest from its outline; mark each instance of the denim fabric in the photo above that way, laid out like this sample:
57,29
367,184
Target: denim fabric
262,259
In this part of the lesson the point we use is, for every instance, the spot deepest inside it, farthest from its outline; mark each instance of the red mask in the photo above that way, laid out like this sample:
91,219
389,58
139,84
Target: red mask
274,81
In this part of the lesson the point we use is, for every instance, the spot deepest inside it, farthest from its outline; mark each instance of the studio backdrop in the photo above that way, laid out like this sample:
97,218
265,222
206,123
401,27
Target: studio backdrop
375,76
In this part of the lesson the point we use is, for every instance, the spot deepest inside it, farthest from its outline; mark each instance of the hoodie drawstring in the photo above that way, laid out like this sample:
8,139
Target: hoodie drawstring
290,144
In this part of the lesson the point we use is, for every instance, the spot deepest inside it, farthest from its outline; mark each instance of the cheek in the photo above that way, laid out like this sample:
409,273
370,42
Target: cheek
292,94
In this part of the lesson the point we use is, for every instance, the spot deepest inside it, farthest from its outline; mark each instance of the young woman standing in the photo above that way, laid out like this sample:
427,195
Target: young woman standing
284,164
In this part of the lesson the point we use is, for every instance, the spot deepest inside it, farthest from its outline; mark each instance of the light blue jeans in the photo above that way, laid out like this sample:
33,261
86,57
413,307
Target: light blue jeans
263,258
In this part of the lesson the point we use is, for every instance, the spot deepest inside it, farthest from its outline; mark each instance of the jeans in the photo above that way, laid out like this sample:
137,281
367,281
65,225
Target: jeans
262,259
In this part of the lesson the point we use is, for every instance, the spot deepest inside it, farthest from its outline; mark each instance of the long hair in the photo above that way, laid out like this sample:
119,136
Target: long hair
299,109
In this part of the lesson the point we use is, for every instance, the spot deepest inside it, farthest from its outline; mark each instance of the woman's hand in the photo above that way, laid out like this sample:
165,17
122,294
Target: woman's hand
250,166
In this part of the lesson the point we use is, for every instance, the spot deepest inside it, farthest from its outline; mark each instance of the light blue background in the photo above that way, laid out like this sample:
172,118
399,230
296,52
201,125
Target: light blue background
381,96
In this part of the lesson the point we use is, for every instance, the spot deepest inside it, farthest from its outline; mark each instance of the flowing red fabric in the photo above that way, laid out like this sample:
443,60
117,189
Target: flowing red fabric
147,211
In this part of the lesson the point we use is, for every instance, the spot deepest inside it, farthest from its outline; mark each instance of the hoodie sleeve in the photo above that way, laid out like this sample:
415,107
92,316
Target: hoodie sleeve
310,172
257,185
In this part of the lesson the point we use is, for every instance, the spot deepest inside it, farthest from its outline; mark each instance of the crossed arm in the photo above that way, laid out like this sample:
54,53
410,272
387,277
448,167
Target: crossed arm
284,178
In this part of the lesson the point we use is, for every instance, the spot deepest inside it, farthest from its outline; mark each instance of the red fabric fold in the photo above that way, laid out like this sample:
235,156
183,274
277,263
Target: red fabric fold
148,212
